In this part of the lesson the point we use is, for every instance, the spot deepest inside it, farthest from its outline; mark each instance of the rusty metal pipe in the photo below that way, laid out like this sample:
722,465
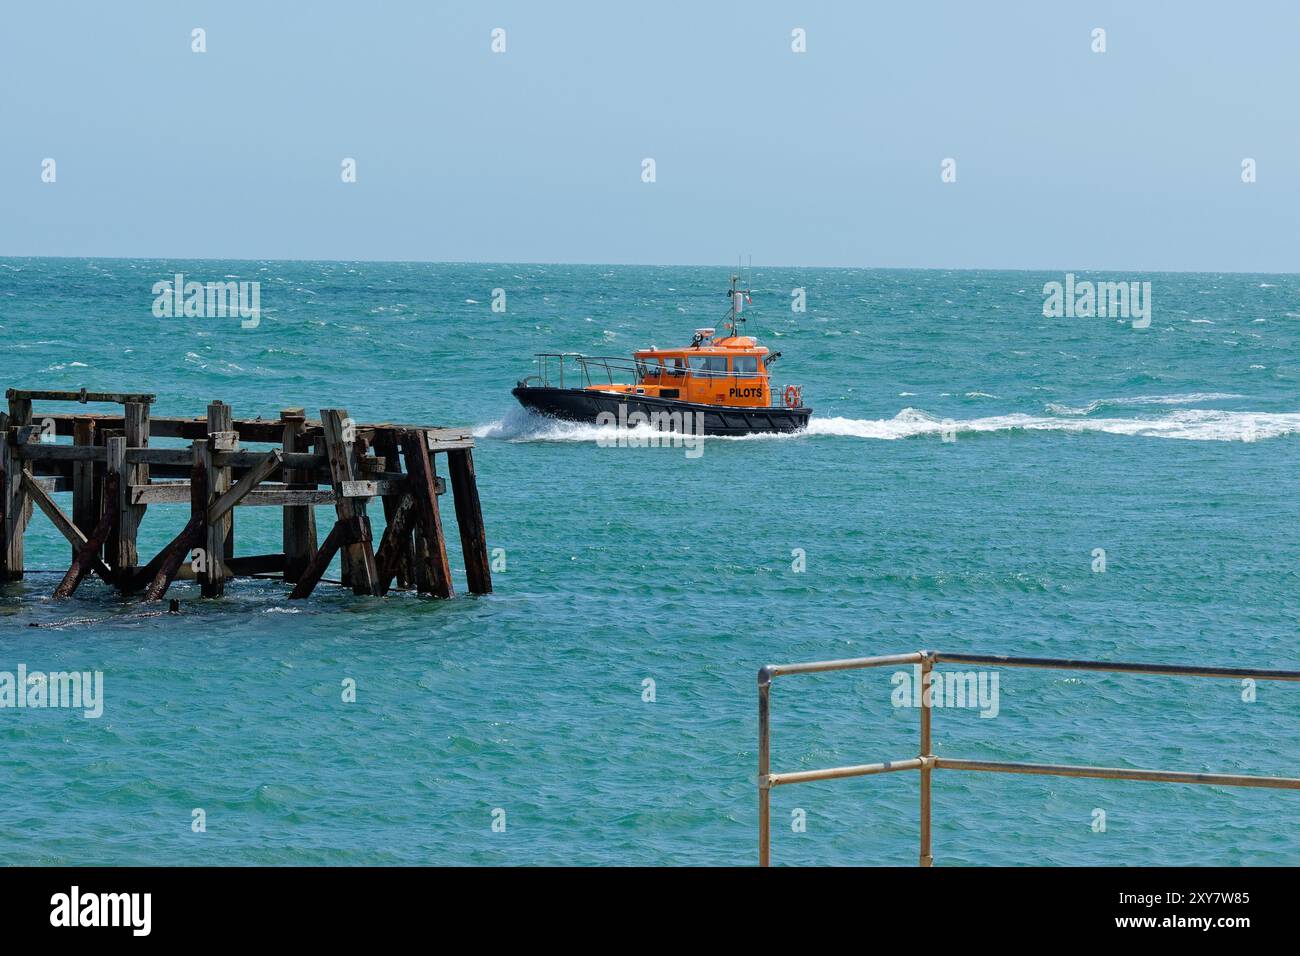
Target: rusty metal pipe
927,758
847,664
764,756
837,773
1119,773
1168,670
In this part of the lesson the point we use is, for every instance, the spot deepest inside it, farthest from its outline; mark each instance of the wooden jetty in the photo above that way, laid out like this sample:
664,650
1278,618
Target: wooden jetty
115,477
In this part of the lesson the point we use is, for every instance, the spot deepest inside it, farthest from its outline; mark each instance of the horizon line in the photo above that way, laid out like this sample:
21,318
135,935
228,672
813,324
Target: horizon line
660,265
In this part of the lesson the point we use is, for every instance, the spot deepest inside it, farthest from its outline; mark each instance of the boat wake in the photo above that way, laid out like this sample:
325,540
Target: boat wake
521,425
1193,398
1187,424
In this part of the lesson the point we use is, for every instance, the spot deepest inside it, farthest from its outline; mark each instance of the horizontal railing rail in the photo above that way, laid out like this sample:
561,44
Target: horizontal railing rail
926,762
607,367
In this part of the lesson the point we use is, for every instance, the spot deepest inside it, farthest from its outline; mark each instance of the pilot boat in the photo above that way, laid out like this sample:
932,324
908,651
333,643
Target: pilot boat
717,385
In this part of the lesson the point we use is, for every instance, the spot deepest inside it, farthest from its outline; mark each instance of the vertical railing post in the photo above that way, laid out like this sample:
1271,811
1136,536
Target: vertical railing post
764,766
927,665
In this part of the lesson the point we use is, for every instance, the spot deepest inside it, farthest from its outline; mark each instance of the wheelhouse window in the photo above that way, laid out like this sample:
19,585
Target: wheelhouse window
745,366
709,364
648,369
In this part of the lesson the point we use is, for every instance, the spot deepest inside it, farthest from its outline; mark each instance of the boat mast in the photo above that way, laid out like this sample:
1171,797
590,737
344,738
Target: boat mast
734,315
731,319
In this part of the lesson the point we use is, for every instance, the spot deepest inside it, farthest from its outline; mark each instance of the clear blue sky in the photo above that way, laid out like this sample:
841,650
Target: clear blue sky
1066,159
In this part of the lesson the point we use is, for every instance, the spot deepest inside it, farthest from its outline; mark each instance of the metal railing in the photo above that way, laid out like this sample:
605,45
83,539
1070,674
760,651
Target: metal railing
544,360
611,367
926,762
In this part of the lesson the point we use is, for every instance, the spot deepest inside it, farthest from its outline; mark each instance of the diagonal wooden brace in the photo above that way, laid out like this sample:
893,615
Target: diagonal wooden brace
252,478
346,531
393,546
89,552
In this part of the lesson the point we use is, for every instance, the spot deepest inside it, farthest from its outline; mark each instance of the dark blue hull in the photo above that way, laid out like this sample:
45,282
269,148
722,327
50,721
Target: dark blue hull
582,405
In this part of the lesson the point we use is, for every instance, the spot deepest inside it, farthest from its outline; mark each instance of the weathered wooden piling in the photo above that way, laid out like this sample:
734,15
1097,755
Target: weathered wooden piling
115,470
122,556
469,518
135,429
299,538
401,547
430,543
13,500
11,538
221,436
85,510
358,553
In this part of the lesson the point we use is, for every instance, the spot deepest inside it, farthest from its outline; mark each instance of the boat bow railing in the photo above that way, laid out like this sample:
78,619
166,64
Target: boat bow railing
609,369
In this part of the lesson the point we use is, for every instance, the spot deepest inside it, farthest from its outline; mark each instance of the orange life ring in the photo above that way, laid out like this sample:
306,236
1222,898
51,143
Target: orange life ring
792,396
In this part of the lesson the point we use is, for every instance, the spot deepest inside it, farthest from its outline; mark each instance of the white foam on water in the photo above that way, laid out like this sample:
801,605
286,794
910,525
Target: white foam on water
1187,424
1190,424
522,424
1192,398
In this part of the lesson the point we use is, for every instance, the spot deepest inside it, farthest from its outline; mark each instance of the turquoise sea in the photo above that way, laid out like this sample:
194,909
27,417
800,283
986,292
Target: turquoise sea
1174,448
